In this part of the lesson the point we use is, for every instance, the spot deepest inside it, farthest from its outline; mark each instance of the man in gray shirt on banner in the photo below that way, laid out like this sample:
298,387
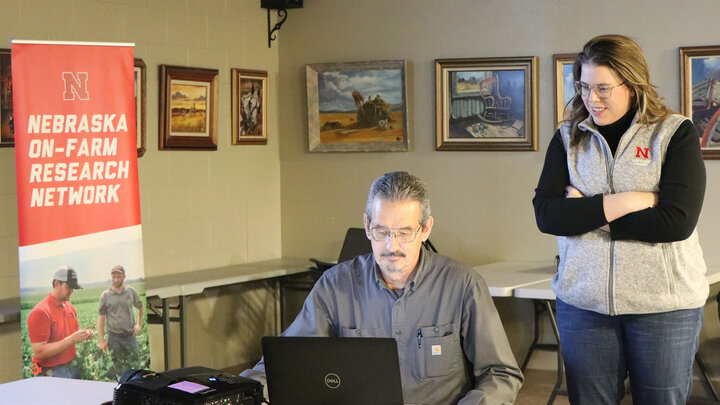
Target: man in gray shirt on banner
116,309
451,343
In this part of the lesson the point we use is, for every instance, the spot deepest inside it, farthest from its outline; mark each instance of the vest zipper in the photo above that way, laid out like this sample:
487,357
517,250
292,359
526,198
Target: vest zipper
610,162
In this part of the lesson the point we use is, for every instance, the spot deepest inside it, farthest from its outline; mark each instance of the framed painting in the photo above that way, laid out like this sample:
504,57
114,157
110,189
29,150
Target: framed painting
564,87
357,106
249,107
188,108
700,94
7,128
140,106
486,104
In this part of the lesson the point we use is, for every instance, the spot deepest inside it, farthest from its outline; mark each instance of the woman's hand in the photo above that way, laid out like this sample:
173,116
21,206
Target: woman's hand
572,192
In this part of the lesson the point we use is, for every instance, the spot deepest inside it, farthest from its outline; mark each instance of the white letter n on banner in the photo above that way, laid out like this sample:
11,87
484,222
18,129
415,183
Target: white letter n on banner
75,86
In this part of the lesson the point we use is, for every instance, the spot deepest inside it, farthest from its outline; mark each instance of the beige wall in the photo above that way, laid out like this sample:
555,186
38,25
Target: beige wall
205,209
481,200
199,209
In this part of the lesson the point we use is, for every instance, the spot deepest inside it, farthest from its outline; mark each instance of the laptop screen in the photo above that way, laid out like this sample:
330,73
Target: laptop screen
324,370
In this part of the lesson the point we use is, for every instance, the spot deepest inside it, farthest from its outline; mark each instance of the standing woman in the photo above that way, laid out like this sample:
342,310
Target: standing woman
622,188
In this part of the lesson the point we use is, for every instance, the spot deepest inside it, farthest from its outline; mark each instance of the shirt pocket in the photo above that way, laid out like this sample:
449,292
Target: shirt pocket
438,351
361,332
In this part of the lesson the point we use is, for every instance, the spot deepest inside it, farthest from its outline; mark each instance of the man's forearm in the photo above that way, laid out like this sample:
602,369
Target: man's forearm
46,350
140,317
101,328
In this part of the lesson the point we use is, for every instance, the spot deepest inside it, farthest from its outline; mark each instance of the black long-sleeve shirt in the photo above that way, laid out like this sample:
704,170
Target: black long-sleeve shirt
680,196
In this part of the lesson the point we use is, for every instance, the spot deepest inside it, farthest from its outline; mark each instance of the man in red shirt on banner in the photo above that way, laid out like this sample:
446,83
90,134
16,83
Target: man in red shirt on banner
54,330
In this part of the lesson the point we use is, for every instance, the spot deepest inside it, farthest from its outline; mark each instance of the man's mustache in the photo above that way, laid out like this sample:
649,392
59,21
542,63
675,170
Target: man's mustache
392,254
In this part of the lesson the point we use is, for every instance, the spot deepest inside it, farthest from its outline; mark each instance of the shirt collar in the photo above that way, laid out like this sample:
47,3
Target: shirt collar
53,301
420,270
122,289
589,125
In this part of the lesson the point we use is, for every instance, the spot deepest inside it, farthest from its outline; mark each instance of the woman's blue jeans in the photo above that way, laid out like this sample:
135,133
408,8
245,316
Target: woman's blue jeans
656,351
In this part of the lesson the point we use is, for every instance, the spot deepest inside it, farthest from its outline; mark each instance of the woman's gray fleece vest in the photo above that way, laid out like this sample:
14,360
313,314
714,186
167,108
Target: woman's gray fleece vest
626,276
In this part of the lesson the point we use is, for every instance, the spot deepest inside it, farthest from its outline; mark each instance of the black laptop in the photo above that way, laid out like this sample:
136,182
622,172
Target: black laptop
332,371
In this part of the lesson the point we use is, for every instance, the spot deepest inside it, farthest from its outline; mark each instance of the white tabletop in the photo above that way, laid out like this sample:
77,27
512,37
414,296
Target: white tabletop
542,290
194,282
56,391
503,278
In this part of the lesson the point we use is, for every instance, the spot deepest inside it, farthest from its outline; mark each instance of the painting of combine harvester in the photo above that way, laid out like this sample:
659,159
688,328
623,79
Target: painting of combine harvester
700,94
357,107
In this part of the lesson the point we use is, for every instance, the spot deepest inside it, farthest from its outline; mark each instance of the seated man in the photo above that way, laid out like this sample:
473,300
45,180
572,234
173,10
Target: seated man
451,343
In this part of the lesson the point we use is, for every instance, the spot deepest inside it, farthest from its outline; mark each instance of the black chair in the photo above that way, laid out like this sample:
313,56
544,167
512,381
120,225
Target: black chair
355,244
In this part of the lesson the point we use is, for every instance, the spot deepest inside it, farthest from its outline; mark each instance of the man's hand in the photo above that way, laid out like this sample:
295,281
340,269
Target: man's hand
103,346
81,335
136,330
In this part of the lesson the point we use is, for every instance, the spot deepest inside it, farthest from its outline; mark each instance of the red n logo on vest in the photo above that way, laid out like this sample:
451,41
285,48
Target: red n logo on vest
645,152
75,86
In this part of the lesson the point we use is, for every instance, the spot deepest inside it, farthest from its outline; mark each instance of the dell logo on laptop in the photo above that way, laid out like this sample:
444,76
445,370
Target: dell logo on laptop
332,380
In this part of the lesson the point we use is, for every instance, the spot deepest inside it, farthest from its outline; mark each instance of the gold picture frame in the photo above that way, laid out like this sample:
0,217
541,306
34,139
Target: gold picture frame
486,104
564,87
249,96
7,130
188,108
140,76
699,99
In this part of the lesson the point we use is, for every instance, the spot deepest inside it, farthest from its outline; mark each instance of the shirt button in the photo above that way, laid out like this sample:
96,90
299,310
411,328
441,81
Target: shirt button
357,332
397,332
436,330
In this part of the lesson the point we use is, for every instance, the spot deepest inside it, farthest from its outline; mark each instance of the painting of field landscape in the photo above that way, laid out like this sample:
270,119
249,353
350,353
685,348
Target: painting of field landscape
360,106
347,131
188,105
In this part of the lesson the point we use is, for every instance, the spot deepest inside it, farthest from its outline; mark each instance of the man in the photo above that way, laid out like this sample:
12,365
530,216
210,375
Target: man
116,307
451,343
54,330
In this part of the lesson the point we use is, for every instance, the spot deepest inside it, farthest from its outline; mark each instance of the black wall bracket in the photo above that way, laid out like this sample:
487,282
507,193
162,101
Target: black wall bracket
281,6
282,16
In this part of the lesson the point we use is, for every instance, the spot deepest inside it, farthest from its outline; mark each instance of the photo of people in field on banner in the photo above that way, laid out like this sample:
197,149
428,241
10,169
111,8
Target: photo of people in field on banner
82,279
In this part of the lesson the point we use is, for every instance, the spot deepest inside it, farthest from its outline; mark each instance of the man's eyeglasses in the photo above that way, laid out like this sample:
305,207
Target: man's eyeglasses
601,90
380,234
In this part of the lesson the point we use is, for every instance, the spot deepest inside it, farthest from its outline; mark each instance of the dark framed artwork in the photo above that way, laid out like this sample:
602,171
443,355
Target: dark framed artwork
140,106
357,106
188,108
486,104
700,94
564,87
7,127
249,107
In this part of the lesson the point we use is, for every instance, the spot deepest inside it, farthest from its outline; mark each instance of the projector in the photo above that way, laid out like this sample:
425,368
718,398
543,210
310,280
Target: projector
186,386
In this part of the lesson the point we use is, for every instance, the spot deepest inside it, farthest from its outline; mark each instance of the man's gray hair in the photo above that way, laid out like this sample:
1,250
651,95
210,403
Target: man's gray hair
399,186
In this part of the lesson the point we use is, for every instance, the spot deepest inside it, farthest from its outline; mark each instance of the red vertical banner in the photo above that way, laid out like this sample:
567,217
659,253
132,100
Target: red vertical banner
75,140
78,209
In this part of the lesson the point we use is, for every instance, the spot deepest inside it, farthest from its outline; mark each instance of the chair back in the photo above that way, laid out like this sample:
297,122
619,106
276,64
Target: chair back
356,243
